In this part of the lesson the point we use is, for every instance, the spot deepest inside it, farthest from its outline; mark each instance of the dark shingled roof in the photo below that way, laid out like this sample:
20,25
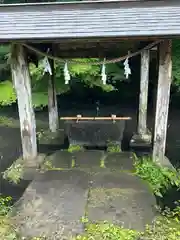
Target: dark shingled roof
89,19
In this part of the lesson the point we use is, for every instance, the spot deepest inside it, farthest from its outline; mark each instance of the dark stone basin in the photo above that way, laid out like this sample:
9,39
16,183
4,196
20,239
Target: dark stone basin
94,133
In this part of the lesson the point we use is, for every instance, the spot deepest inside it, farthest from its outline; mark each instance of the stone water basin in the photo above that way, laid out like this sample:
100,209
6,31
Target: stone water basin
94,133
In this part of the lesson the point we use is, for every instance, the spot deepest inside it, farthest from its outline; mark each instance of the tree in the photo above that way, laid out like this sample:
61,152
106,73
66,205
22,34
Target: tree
87,73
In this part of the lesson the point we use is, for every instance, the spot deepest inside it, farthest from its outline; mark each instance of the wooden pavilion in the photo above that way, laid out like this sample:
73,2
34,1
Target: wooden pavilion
90,29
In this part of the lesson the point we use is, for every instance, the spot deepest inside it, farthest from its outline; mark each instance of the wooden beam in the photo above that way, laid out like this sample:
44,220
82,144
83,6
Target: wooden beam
162,102
143,96
22,83
52,102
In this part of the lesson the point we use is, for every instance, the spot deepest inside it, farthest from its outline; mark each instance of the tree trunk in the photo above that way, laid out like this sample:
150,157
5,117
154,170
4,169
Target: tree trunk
162,103
22,83
52,102
143,97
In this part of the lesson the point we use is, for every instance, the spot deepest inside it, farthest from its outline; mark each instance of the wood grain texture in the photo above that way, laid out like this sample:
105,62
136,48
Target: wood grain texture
52,102
22,84
162,103
143,97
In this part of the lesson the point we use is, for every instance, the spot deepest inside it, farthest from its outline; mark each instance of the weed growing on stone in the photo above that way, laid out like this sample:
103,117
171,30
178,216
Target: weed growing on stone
159,178
7,230
5,205
48,166
75,148
107,231
102,162
165,227
15,172
45,135
114,148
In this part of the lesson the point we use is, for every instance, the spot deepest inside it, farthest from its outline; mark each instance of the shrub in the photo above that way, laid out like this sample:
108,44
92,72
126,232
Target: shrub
159,178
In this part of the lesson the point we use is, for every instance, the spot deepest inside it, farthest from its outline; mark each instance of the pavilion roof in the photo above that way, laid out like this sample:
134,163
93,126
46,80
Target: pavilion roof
90,19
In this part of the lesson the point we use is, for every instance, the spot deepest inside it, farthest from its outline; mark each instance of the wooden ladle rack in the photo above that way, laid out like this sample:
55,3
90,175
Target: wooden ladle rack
79,117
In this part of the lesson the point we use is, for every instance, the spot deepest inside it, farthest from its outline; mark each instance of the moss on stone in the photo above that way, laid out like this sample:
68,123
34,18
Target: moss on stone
73,162
47,137
48,166
102,162
100,196
8,122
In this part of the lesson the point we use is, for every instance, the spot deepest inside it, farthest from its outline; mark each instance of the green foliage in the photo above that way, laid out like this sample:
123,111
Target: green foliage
176,63
159,178
107,231
116,72
166,226
5,205
7,93
39,99
7,231
40,84
80,69
111,147
90,75
15,172
75,148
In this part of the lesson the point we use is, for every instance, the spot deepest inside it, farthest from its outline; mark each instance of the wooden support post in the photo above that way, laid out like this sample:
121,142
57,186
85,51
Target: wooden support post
22,83
162,102
52,102
143,97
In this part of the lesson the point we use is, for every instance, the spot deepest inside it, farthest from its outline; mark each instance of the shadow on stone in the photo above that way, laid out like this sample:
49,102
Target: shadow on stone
88,159
60,159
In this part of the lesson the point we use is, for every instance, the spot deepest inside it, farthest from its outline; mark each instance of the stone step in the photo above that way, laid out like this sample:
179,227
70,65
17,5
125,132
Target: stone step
53,205
122,199
91,159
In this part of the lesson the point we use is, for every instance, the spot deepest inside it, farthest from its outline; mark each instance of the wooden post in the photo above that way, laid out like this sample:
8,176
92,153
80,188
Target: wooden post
52,102
143,97
162,102
22,83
